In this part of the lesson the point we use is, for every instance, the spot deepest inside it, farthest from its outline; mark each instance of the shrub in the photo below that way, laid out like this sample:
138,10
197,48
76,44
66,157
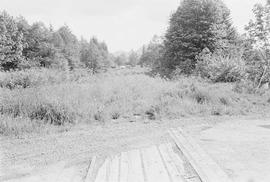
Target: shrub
54,114
34,105
220,68
191,96
115,115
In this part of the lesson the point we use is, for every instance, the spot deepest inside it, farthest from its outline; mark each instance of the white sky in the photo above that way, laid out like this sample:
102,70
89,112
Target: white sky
122,24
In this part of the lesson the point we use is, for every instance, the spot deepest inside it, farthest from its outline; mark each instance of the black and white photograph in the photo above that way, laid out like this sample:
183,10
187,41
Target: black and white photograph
134,91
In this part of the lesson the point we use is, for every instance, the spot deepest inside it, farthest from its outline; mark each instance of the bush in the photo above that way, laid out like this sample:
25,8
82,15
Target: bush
220,68
35,105
193,96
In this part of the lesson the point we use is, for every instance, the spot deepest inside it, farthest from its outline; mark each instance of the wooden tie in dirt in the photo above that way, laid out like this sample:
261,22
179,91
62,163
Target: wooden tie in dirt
180,161
206,168
158,163
183,161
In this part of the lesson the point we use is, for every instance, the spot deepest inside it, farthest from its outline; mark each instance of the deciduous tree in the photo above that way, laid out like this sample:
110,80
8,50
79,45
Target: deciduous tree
258,35
11,43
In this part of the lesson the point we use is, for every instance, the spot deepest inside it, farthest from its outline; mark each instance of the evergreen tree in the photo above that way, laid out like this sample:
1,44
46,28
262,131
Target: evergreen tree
196,25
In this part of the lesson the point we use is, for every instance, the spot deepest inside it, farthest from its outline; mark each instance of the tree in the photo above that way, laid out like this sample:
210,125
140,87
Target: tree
38,47
103,54
24,46
84,51
133,58
196,25
11,44
121,59
94,55
68,45
152,54
258,35
259,29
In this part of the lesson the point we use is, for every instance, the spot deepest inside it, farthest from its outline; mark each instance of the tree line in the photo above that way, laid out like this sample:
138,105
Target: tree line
25,46
201,40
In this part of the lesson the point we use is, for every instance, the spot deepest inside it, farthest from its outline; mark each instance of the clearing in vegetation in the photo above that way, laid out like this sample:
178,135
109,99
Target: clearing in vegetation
62,98
128,93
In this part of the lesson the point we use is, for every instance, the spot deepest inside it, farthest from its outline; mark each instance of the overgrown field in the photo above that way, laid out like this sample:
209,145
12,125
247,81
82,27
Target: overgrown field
64,99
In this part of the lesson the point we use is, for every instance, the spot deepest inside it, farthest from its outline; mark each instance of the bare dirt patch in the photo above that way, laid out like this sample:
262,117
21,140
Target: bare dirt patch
240,146
25,156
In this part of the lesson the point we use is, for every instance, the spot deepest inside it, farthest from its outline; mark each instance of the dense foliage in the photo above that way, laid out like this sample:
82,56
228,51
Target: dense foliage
11,42
46,75
258,40
220,66
196,25
25,46
94,54
152,54
133,58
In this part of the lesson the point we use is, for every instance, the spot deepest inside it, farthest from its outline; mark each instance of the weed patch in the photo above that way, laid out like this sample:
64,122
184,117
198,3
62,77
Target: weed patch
110,96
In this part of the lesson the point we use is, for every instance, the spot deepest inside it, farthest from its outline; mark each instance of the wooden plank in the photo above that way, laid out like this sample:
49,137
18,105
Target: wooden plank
135,168
169,163
114,169
177,160
90,172
193,156
124,167
207,169
102,172
67,175
154,168
183,166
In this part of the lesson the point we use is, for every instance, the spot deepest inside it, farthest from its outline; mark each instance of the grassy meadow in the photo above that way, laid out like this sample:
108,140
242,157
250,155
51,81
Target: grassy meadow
45,100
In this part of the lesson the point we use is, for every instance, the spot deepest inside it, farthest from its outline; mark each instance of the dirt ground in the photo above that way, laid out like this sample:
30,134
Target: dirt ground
241,147
24,157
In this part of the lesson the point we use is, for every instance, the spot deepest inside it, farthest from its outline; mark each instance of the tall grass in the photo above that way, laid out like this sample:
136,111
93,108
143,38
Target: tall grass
36,77
109,96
